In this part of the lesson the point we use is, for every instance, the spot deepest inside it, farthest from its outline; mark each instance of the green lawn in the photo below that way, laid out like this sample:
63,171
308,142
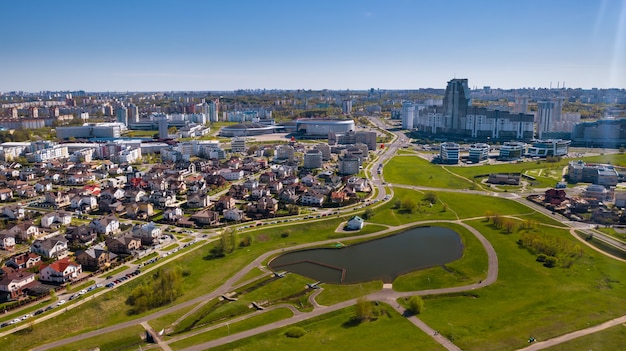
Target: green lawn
235,327
338,331
126,339
333,293
386,214
417,171
546,173
613,338
529,299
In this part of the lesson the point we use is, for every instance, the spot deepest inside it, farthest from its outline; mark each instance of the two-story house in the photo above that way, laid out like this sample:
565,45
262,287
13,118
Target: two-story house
55,247
60,271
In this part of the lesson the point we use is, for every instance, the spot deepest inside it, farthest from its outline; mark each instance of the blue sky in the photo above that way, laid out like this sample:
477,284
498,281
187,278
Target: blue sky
141,45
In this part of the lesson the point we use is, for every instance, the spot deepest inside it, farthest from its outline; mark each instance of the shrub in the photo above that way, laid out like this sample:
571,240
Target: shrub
284,235
551,261
416,304
541,258
295,332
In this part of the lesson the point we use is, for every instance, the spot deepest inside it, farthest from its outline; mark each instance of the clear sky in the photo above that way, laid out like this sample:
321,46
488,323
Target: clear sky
148,45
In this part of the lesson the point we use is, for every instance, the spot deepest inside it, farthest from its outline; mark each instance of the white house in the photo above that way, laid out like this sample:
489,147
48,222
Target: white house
233,214
51,247
60,271
312,199
60,217
106,225
7,242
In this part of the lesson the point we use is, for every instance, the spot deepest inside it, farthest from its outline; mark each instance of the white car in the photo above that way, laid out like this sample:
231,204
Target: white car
60,302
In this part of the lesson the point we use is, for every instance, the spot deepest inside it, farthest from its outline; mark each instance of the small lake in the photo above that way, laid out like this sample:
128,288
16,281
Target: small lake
380,259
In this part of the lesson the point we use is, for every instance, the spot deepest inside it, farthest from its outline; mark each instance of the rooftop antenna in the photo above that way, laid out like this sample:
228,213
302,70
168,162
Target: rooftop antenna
550,85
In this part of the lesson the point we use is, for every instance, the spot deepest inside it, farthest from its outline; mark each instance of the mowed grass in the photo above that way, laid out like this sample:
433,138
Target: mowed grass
337,331
470,268
125,339
387,215
417,171
451,206
613,338
334,293
529,299
257,320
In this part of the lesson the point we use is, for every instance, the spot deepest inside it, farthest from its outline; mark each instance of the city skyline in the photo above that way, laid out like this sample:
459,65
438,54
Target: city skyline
357,45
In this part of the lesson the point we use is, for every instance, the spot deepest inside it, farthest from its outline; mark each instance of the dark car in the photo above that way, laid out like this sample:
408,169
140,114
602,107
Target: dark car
38,312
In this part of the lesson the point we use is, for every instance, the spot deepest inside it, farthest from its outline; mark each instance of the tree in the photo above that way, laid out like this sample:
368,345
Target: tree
409,205
416,304
363,309
227,240
253,149
430,197
509,225
269,152
368,214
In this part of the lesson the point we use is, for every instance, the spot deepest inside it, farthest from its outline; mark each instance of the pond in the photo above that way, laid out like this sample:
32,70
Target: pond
380,259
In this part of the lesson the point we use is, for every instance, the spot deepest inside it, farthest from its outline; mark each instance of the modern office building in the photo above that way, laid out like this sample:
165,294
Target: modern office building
511,151
478,152
449,153
550,147
321,127
456,102
351,138
600,133
98,130
579,171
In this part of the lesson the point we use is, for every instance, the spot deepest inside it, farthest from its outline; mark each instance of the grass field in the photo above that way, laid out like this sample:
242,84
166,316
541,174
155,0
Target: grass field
613,338
126,339
333,293
529,299
338,331
235,327
417,171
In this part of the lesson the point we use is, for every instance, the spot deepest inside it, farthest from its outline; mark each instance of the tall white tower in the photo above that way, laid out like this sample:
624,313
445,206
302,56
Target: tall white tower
544,117
407,114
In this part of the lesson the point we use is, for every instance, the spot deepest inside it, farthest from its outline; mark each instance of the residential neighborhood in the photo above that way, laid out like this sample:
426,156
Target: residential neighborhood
75,218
